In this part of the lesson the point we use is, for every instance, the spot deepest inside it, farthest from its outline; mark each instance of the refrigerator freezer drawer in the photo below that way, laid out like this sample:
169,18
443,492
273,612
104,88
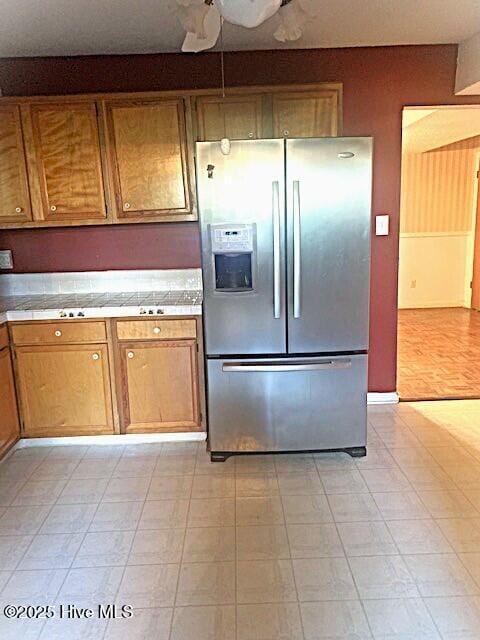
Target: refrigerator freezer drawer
287,404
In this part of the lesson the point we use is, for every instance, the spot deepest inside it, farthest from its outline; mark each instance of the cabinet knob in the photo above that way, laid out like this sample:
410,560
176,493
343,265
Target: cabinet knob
53,208
58,333
130,354
250,135
157,330
95,356
126,205
286,132
18,209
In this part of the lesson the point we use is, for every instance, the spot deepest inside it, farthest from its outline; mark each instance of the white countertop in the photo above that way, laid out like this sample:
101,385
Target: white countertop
100,305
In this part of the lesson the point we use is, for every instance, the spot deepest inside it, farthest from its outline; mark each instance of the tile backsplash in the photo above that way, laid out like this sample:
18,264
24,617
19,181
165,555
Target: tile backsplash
100,281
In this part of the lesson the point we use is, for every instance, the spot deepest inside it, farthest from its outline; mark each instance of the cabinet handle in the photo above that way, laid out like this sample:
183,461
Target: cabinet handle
18,209
53,208
95,356
58,333
126,205
157,330
130,354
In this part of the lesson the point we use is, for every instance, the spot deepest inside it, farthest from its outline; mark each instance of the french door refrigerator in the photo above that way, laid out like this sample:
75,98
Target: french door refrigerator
285,229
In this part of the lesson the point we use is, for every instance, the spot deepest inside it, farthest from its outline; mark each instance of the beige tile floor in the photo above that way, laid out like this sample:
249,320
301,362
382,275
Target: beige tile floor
310,547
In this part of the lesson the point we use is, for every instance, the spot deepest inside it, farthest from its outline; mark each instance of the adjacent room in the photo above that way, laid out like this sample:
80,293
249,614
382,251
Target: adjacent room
439,263
239,336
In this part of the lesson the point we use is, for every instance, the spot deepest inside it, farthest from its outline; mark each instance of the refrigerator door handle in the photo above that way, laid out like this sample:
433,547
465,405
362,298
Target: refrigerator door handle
296,249
276,249
293,366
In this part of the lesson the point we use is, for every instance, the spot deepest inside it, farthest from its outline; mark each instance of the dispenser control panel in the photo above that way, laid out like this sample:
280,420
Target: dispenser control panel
232,238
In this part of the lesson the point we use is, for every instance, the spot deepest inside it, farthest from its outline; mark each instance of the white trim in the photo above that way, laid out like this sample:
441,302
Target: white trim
433,234
126,438
471,241
436,304
441,106
382,398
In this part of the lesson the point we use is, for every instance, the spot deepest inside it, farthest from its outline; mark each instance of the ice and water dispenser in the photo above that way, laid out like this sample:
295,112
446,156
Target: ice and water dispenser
233,251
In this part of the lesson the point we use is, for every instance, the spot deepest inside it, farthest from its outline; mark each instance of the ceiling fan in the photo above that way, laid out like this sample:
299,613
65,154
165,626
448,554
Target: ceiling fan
202,19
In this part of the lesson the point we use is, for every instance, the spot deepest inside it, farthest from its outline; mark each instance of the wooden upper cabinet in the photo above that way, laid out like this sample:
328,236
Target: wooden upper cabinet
14,193
305,114
113,158
238,117
68,162
148,158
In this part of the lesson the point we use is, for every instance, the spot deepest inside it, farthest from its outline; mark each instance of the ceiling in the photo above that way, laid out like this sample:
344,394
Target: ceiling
426,129
75,27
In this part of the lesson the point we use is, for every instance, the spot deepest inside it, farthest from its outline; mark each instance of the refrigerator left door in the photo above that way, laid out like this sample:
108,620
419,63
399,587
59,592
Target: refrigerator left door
242,219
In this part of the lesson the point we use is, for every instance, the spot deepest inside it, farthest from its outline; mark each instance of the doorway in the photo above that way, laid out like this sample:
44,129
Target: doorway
439,263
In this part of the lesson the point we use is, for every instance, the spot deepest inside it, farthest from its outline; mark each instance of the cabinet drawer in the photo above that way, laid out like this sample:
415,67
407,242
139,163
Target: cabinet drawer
59,333
3,336
156,329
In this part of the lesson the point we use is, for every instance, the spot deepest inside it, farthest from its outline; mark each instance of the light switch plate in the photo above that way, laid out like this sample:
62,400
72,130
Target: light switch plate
6,260
382,225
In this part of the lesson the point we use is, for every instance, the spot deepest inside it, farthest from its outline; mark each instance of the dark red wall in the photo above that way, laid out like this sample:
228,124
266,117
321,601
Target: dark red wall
377,83
126,246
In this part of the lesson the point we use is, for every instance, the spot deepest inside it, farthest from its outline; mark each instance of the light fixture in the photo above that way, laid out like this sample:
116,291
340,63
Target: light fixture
202,19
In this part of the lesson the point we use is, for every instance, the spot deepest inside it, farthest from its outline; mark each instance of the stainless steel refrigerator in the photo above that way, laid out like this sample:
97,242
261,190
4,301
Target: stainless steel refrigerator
285,228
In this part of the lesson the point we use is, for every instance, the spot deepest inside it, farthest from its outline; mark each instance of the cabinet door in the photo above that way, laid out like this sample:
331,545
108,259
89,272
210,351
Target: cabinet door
65,390
9,427
14,194
67,153
305,114
160,386
149,160
235,117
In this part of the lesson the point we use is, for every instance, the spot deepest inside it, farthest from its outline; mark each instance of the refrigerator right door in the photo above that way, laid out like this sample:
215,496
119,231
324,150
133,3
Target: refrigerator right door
328,191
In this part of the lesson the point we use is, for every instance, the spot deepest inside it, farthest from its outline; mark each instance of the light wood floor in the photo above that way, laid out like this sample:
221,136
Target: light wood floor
438,354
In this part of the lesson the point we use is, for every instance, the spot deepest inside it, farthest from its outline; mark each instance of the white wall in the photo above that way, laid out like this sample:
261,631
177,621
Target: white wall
468,67
438,265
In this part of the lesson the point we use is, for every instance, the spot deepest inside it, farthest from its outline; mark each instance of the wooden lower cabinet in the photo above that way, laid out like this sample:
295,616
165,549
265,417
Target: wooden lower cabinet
89,377
64,389
159,386
9,424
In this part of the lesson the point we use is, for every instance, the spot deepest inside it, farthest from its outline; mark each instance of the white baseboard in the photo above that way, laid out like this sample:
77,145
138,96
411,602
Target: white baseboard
382,398
436,304
127,438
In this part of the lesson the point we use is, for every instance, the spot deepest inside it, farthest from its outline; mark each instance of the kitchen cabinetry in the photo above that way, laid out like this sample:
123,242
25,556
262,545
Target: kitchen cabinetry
159,375
63,378
9,424
14,195
149,159
305,114
79,377
129,158
67,163
271,113
238,117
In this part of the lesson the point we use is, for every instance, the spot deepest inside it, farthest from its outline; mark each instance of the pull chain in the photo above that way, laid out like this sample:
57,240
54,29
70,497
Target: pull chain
222,63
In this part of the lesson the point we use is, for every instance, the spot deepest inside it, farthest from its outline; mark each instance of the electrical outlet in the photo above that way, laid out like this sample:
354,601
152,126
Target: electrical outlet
6,261
413,284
